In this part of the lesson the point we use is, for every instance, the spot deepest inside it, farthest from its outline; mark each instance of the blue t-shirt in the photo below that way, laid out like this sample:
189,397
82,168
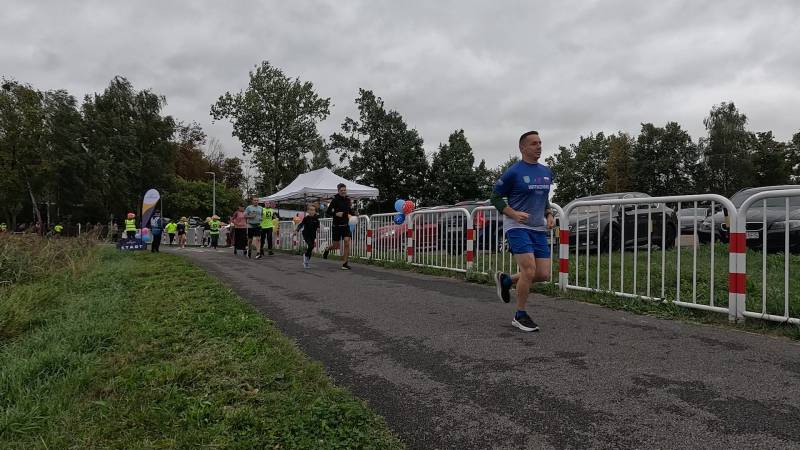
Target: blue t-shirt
527,188
255,221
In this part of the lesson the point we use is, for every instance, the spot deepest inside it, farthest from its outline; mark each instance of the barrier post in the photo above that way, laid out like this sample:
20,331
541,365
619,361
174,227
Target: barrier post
470,246
563,252
369,241
410,238
737,268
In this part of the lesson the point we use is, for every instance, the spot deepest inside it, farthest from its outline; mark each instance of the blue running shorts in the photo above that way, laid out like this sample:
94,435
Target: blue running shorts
523,240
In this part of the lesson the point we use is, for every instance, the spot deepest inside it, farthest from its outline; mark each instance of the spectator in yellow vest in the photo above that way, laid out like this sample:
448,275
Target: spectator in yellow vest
130,226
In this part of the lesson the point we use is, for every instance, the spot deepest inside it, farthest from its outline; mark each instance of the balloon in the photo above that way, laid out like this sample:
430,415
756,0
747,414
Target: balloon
353,221
408,206
398,205
399,218
145,231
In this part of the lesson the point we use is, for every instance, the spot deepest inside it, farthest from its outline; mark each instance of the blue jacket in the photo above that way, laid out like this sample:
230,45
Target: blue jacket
156,225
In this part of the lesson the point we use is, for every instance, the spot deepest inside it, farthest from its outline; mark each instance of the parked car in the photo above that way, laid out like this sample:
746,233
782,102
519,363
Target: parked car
452,229
393,236
775,225
688,217
611,218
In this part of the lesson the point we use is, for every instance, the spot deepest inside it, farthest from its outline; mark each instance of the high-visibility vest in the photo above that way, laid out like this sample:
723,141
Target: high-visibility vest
172,227
3,227
214,224
266,218
58,228
130,224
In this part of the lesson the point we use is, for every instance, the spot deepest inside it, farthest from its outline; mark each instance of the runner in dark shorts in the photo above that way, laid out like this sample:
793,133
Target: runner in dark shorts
340,208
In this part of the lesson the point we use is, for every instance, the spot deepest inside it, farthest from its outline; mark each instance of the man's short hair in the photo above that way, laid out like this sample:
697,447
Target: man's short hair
524,135
341,185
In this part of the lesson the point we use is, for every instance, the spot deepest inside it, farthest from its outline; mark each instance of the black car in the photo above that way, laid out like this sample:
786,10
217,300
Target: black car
586,221
775,225
452,229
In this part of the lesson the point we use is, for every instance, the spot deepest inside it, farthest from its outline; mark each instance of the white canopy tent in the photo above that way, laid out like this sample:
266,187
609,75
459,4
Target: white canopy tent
320,184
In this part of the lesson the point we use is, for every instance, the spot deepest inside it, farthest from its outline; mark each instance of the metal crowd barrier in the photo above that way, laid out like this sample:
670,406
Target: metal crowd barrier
388,238
491,249
782,235
441,238
596,241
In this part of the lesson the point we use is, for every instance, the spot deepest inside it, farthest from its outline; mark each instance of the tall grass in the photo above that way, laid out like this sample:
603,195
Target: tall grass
27,257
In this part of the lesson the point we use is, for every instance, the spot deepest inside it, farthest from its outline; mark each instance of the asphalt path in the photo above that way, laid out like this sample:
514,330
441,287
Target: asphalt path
439,359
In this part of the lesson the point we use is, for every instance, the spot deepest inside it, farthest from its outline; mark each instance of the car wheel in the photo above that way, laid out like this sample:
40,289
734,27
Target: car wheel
615,239
671,236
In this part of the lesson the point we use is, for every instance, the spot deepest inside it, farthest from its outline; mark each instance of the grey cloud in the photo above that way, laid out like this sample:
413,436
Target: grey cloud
494,69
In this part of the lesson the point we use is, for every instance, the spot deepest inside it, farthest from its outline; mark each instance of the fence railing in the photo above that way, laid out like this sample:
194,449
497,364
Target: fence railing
769,221
598,235
642,247
440,238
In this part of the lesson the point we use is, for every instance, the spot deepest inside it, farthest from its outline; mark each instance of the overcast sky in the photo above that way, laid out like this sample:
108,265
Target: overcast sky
493,68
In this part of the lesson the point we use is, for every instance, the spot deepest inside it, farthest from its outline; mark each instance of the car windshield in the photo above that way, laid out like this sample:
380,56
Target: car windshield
591,209
780,202
693,212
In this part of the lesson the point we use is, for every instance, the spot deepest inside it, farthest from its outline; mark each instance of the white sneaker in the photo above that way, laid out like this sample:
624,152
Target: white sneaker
305,262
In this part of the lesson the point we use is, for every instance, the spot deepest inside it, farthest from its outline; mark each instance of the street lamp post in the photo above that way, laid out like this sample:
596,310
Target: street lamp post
214,194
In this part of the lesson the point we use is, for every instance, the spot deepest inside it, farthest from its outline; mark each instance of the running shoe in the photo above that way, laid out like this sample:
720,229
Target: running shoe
503,283
525,323
270,253
259,256
345,266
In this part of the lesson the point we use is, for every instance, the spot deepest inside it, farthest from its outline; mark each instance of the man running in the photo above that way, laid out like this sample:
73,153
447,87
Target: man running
340,208
171,229
253,215
527,217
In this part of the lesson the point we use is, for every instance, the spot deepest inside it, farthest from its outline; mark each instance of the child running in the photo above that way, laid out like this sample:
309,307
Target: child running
309,225
182,226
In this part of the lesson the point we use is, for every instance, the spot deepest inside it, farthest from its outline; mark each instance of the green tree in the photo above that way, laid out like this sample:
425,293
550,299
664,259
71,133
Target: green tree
726,162
793,156
191,163
276,119
319,156
452,177
770,158
129,146
485,179
232,174
67,183
620,163
24,169
379,150
194,198
580,169
665,160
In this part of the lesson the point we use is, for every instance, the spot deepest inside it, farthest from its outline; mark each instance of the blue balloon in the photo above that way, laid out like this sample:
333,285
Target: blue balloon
398,205
399,218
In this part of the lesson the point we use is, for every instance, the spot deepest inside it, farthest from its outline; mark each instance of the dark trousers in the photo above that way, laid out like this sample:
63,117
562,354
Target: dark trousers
130,234
171,237
266,235
156,243
214,240
309,245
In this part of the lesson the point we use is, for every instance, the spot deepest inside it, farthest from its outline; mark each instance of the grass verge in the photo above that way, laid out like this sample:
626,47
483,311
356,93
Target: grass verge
149,352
